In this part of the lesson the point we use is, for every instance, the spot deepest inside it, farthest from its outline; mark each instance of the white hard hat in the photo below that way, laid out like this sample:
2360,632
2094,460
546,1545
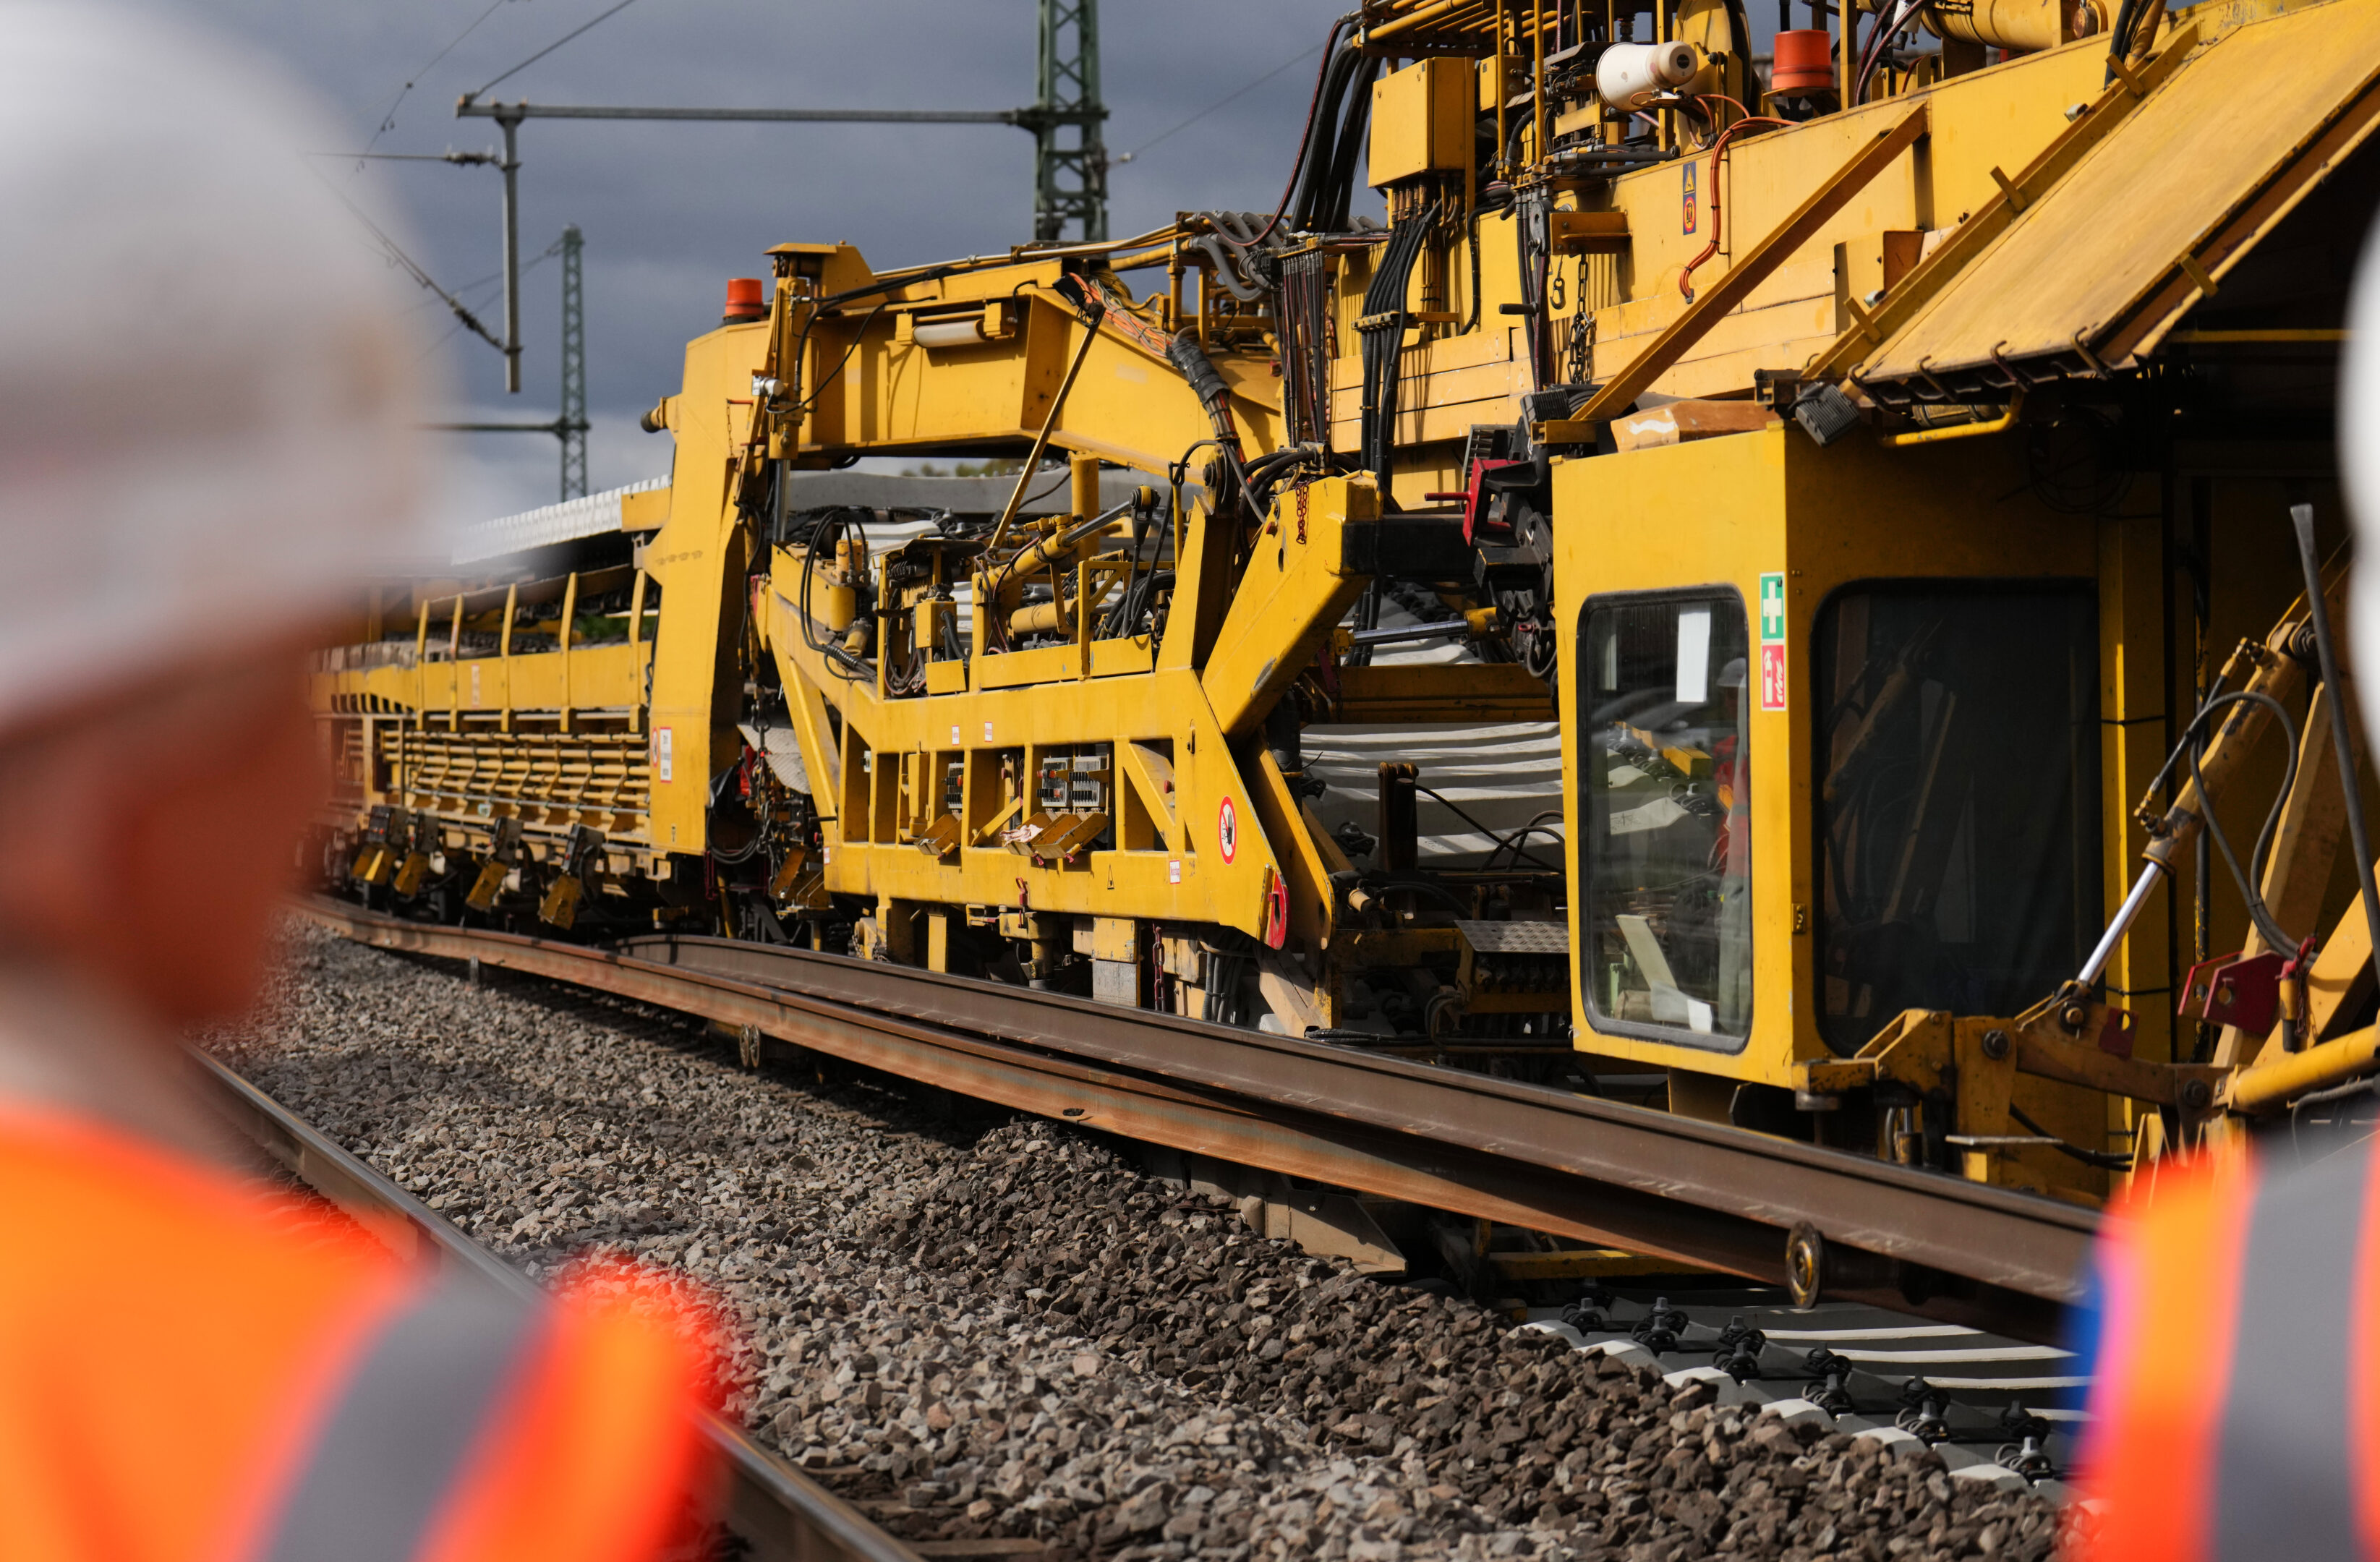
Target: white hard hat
207,391
2359,460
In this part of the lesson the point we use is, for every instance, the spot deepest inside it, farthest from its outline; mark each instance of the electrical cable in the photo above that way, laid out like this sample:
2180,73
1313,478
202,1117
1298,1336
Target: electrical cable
2120,37
460,159
1383,327
1119,616
827,530
431,351
1235,97
388,115
1518,852
2100,1158
557,44
2258,912
1428,886
2341,740
1059,481
857,337
1329,188
1536,821
1305,136
1311,168
1907,15
397,253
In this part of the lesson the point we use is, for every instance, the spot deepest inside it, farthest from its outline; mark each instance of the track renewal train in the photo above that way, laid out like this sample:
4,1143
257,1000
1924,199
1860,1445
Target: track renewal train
1894,464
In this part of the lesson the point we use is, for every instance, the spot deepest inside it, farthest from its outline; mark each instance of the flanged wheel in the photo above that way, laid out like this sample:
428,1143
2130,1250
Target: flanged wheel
1806,1264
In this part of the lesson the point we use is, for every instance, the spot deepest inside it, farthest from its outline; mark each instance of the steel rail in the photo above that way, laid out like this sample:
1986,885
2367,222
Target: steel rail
1648,1181
779,1513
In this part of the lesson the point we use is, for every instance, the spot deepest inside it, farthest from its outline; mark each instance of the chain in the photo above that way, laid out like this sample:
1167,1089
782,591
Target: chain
1302,486
1581,331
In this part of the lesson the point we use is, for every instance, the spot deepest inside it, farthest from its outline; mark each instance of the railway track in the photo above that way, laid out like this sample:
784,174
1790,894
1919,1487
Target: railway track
1856,1229
777,1514
921,1307
1995,1409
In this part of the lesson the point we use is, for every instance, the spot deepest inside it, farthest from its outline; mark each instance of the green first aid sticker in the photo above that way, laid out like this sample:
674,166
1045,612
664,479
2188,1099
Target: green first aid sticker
1772,609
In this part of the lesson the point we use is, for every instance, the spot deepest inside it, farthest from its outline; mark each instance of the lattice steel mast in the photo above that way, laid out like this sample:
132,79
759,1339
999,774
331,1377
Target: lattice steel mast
572,424
1070,182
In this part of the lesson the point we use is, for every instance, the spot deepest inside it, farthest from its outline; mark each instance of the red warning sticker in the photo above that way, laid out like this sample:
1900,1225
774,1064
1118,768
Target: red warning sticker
1227,830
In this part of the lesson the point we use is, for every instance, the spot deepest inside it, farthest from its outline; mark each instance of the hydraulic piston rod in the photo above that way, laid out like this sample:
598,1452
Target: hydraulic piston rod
2126,915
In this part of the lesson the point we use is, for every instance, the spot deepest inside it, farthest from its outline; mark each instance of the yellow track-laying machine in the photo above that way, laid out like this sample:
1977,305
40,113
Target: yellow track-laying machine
1899,468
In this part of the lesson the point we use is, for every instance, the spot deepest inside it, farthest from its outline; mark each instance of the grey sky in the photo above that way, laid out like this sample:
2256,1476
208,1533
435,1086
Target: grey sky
671,211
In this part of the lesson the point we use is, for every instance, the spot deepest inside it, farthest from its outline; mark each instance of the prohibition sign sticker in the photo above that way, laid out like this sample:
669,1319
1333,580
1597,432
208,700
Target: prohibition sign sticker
1227,830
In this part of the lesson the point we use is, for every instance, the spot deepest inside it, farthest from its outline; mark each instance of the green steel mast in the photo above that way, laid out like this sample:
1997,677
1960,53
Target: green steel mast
1070,173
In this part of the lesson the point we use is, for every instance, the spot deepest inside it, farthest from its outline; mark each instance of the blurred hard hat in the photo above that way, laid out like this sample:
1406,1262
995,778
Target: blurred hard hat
207,391
2359,460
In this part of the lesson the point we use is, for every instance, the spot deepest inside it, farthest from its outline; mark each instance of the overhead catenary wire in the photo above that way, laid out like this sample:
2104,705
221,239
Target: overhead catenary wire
388,115
475,287
396,252
574,32
1224,102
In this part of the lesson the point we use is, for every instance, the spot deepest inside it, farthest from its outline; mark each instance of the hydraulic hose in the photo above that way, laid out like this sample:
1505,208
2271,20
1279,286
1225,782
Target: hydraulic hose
1227,269
2154,868
2302,519
1305,137
2249,883
1205,381
824,534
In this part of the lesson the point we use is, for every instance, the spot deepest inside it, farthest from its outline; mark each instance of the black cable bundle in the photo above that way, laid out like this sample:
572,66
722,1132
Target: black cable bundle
1383,328
1302,309
1326,185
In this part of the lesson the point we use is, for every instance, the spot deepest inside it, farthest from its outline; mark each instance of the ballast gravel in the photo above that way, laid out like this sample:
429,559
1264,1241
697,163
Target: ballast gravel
1014,1333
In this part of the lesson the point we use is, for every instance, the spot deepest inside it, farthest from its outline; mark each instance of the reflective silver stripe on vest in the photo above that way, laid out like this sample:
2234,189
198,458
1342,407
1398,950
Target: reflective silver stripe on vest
391,1449
2284,1478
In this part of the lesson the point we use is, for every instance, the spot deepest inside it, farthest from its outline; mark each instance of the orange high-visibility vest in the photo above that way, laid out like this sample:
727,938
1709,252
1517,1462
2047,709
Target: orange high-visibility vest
2236,1410
196,1370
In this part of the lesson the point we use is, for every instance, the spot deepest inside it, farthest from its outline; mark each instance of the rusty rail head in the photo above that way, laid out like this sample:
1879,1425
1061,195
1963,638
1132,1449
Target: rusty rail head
1646,1180
780,1514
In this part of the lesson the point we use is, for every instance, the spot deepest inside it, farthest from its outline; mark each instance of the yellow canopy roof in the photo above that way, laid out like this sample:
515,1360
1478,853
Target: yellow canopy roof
2098,268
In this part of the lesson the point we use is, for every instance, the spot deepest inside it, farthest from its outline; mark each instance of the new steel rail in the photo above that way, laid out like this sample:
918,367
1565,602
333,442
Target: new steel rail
1768,1209
777,1512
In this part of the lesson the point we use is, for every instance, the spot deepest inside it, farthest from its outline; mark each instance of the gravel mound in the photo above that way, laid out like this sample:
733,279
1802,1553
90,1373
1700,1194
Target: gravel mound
1016,1333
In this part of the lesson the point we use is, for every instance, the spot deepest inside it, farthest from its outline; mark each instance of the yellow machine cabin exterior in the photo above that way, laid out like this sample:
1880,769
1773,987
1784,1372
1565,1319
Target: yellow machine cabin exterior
1870,492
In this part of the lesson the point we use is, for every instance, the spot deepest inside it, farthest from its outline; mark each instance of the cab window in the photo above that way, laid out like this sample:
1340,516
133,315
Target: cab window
1667,859
1957,798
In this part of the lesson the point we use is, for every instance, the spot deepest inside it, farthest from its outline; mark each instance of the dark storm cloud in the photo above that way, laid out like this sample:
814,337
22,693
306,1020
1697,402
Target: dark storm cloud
671,211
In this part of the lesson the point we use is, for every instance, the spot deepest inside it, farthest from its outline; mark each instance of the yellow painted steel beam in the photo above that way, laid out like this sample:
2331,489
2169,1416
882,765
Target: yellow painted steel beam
1715,301
1304,573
